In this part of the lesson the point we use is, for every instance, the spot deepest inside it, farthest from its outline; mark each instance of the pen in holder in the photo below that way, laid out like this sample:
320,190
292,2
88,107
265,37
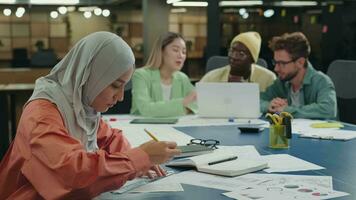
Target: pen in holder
277,137
280,131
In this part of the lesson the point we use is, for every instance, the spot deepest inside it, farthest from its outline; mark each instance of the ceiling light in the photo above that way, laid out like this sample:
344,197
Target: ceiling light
296,3
245,15
7,12
268,13
63,10
191,3
106,13
87,14
54,14
172,1
51,2
242,11
21,10
98,11
240,3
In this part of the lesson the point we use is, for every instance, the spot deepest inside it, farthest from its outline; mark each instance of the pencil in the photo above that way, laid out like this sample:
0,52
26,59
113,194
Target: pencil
151,135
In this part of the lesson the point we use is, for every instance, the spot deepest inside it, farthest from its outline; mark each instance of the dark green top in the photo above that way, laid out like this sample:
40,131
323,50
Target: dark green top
318,91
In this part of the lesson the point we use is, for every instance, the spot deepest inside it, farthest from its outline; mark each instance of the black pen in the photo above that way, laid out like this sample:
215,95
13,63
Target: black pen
221,161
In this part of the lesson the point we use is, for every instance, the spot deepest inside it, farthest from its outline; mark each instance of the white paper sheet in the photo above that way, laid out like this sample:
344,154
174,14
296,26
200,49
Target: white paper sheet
300,126
288,163
324,182
136,134
246,151
329,134
268,186
268,193
158,187
141,185
204,180
281,187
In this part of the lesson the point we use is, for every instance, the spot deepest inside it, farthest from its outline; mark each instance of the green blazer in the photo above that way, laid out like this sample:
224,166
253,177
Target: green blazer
147,98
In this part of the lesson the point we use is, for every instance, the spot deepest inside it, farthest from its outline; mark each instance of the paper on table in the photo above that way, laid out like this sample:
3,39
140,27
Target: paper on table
288,163
330,134
244,152
136,134
300,126
279,180
282,193
204,180
141,185
158,187
281,187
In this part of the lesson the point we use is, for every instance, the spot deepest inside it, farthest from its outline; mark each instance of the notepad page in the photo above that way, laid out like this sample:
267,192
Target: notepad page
137,136
235,167
330,134
170,134
212,157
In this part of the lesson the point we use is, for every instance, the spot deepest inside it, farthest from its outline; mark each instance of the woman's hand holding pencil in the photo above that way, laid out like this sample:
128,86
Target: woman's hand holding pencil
159,151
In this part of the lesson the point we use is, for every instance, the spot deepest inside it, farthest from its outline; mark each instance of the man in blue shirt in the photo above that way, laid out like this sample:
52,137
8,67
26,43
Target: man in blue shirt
299,89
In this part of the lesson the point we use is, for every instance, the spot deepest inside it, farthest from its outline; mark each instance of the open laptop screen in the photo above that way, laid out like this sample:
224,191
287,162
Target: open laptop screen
224,100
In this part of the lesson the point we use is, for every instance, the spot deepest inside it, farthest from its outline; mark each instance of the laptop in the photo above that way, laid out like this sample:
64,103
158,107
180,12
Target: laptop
225,100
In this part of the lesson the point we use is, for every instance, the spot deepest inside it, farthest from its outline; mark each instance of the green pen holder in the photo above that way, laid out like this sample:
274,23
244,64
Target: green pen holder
277,137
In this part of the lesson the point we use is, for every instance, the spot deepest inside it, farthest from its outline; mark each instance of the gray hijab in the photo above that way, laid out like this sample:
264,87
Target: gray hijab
91,65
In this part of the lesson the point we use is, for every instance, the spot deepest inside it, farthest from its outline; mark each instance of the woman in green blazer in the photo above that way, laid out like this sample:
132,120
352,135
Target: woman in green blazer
160,89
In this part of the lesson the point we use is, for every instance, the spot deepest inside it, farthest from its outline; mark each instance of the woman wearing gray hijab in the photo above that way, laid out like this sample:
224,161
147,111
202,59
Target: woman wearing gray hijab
63,149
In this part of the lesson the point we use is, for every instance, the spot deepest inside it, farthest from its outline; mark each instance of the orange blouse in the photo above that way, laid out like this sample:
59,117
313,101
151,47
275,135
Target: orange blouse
45,162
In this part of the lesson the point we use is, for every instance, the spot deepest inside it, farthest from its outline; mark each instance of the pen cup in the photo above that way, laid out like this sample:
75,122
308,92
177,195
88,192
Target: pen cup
277,137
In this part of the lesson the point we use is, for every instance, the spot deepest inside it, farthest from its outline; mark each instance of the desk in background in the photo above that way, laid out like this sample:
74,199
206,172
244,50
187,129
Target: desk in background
12,99
21,75
16,86
338,157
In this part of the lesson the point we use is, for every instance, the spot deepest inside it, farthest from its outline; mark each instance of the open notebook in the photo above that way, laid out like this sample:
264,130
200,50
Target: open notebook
222,163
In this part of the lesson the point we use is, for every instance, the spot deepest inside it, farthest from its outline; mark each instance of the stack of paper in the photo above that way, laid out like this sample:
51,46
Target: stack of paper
330,134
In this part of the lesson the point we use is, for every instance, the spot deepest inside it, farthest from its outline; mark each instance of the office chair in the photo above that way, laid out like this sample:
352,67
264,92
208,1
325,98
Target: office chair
215,62
123,107
19,58
44,58
262,62
343,73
